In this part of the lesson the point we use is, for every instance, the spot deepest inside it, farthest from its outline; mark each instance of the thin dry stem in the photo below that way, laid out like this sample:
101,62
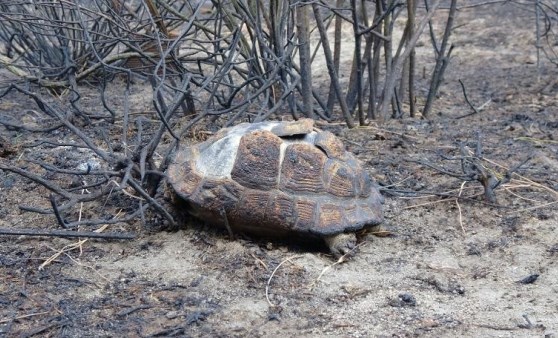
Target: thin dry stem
268,284
459,208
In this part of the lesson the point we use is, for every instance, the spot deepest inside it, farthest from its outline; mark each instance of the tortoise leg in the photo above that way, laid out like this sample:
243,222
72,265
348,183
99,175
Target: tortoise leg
341,244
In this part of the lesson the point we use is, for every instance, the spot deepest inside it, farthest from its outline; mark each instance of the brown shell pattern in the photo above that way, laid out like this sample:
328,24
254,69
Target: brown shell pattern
280,184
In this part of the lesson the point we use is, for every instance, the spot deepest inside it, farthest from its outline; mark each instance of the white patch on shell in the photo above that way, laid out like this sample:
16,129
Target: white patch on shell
217,159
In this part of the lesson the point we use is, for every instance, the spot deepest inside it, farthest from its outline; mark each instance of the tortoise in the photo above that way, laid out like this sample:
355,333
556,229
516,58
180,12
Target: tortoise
278,179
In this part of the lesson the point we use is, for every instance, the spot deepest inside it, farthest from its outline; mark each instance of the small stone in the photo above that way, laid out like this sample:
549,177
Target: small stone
403,299
408,299
171,314
529,279
91,164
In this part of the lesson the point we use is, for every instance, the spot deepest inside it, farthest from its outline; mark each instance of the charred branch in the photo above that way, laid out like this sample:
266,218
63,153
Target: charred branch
63,233
473,168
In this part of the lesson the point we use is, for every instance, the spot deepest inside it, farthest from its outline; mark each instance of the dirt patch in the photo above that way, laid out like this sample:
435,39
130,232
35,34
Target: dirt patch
451,269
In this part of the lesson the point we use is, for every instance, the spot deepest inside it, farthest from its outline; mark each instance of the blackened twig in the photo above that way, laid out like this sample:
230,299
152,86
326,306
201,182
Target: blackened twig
59,218
443,196
131,310
64,233
332,69
38,179
475,111
442,61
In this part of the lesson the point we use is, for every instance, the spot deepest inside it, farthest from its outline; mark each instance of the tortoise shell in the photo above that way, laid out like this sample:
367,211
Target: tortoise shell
276,178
